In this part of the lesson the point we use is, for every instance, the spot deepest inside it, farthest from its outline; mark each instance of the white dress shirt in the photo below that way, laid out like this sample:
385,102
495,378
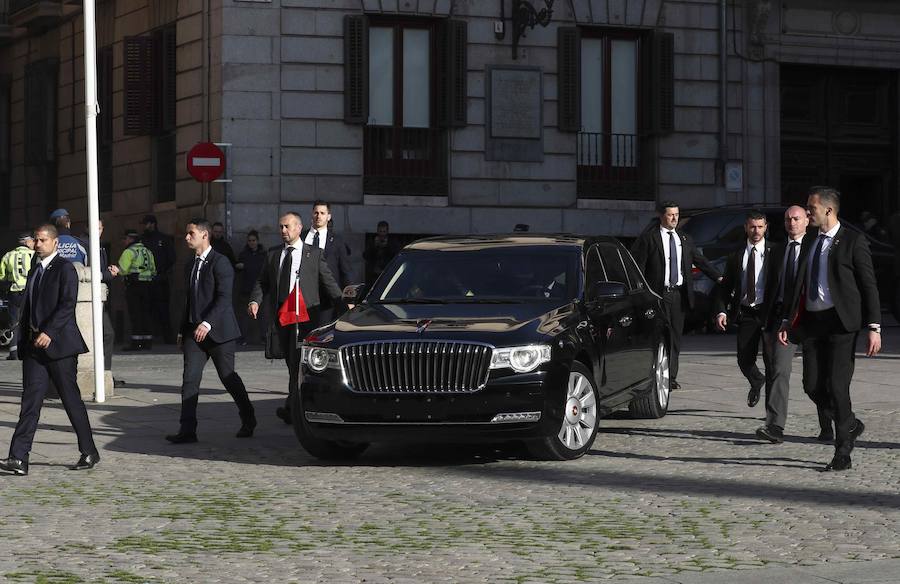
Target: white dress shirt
664,234
823,298
296,258
46,261
323,237
758,276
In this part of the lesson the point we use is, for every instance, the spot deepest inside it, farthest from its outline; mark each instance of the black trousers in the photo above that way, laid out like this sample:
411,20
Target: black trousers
292,357
829,357
749,337
37,371
137,297
16,299
195,358
675,302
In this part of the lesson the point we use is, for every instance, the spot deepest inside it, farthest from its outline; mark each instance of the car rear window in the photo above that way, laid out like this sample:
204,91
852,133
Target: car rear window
706,227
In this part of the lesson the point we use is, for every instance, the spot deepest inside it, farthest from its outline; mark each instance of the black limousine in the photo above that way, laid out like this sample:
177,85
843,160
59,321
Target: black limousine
520,337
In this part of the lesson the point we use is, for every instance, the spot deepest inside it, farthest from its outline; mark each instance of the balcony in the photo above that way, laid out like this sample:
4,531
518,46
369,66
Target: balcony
404,161
615,166
38,14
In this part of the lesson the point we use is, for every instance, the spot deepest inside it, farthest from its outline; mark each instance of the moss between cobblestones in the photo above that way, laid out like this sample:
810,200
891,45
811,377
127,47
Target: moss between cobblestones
44,577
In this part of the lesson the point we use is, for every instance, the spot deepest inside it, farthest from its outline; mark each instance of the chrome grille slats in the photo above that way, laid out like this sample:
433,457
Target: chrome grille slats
398,366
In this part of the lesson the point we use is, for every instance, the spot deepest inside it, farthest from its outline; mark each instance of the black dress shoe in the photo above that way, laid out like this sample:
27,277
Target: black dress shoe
284,414
825,436
773,434
118,382
753,396
86,461
857,430
247,428
839,462
15,466
13,356
182,438
674,385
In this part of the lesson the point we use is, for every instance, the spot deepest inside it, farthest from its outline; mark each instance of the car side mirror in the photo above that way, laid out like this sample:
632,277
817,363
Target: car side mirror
353,293
607,291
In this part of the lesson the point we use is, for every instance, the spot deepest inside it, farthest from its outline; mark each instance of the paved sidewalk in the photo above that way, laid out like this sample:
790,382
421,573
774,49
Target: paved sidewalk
692,498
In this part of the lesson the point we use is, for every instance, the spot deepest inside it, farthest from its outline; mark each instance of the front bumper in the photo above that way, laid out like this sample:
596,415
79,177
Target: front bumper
510,406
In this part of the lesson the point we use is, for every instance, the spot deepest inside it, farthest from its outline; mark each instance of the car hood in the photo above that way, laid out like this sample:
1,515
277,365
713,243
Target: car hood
490,323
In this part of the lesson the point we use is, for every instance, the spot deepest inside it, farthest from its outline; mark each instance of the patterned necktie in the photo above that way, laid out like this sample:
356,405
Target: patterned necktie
284,276
35,293
195,317
790,272
673,260
751,277
812,291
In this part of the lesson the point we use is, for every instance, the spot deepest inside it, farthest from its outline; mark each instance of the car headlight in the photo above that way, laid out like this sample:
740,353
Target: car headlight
520,359
318,358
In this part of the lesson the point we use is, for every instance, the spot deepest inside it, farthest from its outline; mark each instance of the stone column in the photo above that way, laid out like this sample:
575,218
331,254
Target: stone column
85,374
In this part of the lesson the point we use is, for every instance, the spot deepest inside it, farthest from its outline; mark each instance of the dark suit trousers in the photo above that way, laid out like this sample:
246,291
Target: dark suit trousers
37,371
674,302
292,358
195,357
829,357
749,335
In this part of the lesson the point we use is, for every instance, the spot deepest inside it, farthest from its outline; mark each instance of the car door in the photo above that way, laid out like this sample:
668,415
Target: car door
646,333
610,320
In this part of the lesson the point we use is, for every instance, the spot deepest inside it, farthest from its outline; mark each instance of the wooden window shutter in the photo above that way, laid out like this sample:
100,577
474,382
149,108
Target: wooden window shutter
662,83
356,69
40,111
569,79
451,73
105,94
165,65
138,85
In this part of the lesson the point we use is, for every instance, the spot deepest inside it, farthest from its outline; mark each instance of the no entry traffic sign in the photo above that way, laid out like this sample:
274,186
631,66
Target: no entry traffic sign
205,161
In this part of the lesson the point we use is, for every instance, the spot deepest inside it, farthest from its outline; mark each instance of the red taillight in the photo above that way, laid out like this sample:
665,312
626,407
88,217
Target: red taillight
695,270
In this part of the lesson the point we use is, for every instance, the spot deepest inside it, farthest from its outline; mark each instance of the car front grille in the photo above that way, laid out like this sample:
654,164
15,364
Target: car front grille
416,366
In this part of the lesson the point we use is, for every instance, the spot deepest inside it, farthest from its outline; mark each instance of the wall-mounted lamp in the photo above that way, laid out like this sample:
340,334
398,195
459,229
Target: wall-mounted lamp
524,15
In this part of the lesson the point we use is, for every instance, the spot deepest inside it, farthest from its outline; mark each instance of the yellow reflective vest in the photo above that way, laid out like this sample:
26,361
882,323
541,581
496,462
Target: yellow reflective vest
14,267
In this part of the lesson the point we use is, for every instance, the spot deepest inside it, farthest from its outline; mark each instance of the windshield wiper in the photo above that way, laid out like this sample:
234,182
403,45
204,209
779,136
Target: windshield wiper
412,301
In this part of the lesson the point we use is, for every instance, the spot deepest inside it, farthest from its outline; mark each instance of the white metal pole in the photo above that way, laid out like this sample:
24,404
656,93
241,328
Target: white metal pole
91,110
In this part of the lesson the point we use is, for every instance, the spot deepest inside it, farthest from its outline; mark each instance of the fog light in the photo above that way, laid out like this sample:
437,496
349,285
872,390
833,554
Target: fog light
515,417
324,418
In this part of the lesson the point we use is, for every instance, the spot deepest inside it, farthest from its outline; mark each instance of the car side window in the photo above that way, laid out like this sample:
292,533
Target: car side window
612,263
634,273
593,268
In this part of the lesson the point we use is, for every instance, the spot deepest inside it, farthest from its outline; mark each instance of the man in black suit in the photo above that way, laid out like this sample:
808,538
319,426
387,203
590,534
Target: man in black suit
49,345
837,296
665,256
337,256
744,297
292,263
208,330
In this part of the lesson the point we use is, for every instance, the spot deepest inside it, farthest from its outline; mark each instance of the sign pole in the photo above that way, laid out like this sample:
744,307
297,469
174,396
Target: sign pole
91,110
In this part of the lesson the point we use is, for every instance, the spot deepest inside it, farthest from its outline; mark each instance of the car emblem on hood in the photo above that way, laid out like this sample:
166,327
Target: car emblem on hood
422,325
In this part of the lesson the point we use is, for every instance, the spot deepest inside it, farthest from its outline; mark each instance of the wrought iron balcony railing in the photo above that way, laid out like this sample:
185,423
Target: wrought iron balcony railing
407,161
614,166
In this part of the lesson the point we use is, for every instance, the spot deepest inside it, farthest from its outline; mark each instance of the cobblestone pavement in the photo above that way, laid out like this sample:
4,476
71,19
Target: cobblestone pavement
693,497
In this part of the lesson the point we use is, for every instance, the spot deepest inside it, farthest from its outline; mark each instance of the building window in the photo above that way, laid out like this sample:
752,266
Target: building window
105,128
149,82
406,83
40,111
616,93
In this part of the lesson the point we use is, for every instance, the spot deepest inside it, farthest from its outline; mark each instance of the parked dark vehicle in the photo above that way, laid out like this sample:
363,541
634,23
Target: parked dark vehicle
717,232
488,338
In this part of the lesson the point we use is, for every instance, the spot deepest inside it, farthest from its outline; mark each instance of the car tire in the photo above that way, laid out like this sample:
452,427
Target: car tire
655,403
321,449
575,431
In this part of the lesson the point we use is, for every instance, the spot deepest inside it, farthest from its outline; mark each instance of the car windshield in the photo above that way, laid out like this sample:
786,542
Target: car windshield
520,274
706,227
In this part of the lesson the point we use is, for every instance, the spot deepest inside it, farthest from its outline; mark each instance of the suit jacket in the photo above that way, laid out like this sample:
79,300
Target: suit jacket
728,293
650,257
337,256
314,274
214,305
54,310
851,277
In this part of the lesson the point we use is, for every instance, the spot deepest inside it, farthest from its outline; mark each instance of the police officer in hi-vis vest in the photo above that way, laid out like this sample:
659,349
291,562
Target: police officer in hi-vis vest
14,268
138,267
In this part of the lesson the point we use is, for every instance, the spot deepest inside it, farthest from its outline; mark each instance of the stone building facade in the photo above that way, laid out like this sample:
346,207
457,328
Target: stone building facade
421,113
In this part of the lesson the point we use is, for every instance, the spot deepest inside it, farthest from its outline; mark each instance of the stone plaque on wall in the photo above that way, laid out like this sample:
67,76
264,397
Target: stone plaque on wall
514,124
